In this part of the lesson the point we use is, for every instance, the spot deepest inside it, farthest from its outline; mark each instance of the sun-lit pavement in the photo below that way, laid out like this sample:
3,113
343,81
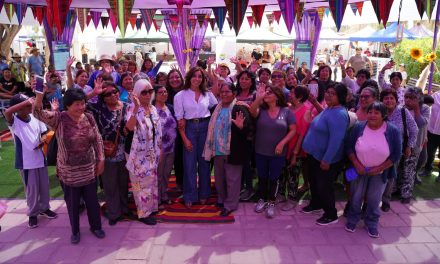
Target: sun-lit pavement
408,235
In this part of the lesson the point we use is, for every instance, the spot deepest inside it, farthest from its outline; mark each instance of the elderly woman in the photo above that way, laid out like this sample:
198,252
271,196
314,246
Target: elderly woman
404,121
366,98
279,81
226,143
169,135
395,82
374,148
110,115
80,157
143,119
275,127
324,144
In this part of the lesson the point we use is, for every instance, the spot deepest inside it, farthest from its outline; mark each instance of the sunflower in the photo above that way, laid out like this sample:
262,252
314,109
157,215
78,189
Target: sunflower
431,57
415,53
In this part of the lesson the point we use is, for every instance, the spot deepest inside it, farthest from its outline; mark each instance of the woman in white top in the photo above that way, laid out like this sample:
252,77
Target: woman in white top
191,106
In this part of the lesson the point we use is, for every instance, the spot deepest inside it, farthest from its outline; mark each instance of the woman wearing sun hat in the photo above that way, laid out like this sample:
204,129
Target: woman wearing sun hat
107,63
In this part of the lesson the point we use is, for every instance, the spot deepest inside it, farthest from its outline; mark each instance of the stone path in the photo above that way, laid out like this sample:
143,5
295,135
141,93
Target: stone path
409,234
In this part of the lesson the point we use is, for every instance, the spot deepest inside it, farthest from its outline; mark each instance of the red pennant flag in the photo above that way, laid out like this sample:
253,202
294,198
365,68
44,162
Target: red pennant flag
201,19
157,23
229,22
113,20
376,9
192,22
212,23
277,16
359,6
382,9
257,12
104,21
133,18
250,20
41,12
57,13
174,20
88,19
10,10
33,8
81,14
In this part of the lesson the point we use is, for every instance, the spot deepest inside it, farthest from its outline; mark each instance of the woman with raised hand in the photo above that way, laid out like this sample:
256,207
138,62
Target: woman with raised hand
192,106
145,152
275,127
126,87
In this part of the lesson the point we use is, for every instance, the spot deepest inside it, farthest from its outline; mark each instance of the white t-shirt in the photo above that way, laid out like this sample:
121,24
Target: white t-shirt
186,106
27,135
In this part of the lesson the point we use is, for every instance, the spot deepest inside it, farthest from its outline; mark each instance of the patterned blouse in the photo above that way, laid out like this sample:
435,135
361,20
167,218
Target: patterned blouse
169,132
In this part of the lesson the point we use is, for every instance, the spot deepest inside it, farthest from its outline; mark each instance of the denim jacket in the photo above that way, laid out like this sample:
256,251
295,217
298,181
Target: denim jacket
394,139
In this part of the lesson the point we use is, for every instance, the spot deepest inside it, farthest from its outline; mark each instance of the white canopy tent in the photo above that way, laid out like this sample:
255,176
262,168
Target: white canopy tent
421,31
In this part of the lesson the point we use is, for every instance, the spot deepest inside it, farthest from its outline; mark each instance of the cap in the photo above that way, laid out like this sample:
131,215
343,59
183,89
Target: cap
18,98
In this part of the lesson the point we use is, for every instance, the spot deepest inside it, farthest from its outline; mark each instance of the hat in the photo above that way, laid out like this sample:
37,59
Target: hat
18,98
106,57
16,55
33,49
223,65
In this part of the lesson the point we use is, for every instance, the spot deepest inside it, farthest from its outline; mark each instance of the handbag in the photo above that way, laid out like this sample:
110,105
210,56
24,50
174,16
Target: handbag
52,151
351,174
111,147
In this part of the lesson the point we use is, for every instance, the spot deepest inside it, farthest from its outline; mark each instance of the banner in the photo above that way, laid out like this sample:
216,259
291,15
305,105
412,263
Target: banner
96,17
337,7
20,11
220,15
82,13
257,12
288,9
121,10
303,52
61,53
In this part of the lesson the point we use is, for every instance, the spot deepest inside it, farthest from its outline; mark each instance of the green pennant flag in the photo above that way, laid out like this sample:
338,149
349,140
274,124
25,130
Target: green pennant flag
121,10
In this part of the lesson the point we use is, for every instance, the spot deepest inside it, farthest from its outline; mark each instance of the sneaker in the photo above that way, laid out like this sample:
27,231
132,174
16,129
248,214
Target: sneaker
98,233
406,200
33,222
270,211
372,232
260,206
225,212
75,238
148,220
323,221
247,195
350,228
289,205
309,209
385,207
49,214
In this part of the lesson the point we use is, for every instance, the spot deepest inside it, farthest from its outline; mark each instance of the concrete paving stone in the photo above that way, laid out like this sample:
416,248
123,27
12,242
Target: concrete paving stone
241,255
11,233
306,220
156,254
120,224
435,248
433,217
99,254
131,261
338,236
214,255
305,254
389,235
170,237
140,234
360,254
12,251
113,236
16,206
13,219
68,254
181,254
283,222
255,221
387,254
310,236
285,238
398,208
391,220
426,206
198,237
332,254
415,219
249,208
257,237
277,254
240,211
417,253
134,250
39,251
434,231
35,234
61,221
224,237
417,235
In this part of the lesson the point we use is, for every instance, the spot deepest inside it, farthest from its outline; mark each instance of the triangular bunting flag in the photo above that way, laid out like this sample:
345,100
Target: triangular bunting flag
33,8
420,8
212,23
2,2
96,17
337,7
250,20
201,19
277,16
376,8
192,22
57,13
237,10
429,7
327,12
147,17
157,23
139,22
320,11
10,11
20,11
121,10
104,21
88,19
270,18
229,22
41,12
81,14
300,12
113,20
257,13
382,9
359,6
133,18
288,9
220,15
353,8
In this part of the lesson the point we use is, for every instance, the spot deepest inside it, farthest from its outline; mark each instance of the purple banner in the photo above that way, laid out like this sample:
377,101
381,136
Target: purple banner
309,29
177,37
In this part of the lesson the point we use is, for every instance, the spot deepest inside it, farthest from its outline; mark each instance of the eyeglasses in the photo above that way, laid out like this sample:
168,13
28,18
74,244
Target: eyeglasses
279,76
162,92
111,93
149,91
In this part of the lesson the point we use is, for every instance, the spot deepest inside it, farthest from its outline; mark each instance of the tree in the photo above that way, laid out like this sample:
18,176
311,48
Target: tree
7,35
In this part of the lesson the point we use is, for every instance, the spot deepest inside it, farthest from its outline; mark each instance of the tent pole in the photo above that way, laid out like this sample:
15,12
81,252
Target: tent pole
434,45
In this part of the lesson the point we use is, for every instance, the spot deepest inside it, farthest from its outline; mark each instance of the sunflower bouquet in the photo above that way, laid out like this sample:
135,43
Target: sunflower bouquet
427,60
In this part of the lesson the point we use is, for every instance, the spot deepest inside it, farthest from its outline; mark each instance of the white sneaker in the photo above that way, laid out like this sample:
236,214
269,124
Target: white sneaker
270,211
260,206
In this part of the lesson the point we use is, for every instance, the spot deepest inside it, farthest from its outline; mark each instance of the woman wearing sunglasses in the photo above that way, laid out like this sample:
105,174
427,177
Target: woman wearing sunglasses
142,118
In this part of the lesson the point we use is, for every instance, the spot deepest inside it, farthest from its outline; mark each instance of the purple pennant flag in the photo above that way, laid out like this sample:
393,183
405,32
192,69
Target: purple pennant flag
20,11
1,4
337,7
96,17
288,9
354,8
113,20
220,15
147,17
139,23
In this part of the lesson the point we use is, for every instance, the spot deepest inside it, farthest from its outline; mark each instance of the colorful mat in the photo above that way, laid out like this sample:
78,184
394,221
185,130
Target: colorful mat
5,135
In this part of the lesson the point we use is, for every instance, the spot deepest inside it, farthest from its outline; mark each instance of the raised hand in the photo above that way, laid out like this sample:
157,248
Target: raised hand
70,61
98,86
210,60
239,120
135,100
261,91
54,104
174,67
234,60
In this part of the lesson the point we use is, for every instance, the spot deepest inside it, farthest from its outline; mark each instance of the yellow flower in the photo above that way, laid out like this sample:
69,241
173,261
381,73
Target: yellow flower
415,53
431,57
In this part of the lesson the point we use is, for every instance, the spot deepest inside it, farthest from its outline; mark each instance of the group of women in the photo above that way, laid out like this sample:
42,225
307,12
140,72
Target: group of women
140,128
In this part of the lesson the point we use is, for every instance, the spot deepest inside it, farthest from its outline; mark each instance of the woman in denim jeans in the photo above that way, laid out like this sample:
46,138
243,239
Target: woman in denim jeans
374,148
